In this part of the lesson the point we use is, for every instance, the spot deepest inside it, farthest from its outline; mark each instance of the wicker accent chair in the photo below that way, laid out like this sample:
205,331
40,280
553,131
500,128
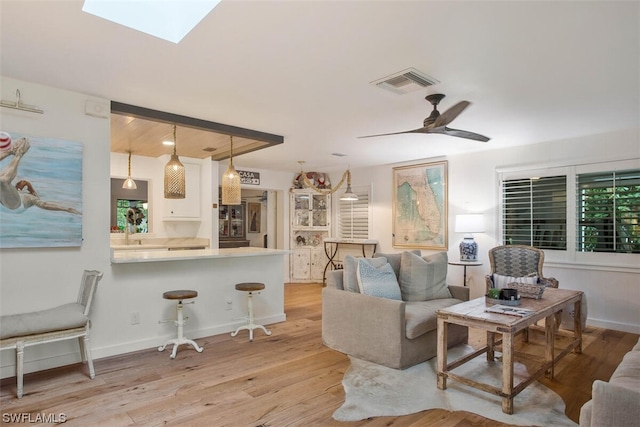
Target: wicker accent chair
518,261
55,324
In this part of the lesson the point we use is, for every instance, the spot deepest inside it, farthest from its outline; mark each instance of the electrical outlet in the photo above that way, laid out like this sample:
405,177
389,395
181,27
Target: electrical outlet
229,305
135,318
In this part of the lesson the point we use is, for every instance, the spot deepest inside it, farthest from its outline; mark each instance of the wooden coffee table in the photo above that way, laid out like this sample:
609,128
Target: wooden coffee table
472,314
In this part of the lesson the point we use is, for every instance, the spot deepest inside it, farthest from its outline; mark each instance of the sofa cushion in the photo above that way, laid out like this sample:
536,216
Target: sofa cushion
423,278
68,316
350,265
421,316
395,259
627,374
377,281
500,281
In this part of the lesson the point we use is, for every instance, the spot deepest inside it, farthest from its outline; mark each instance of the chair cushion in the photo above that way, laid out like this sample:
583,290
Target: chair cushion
500,281
421,316
68,316
377,281
395,259
424,278
350,265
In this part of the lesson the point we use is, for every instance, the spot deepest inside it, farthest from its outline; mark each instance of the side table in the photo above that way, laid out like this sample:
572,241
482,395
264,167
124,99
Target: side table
465,264
331,246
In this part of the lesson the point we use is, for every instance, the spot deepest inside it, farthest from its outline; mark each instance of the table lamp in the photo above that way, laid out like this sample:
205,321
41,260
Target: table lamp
469,223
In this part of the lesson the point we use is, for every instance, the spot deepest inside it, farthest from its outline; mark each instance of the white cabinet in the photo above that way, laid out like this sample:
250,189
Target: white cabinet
310,216
187,209
308,264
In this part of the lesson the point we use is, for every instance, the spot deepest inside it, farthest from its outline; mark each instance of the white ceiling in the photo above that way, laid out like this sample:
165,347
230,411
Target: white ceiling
533,71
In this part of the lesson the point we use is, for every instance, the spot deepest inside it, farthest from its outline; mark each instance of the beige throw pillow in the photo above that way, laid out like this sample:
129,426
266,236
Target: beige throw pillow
424,278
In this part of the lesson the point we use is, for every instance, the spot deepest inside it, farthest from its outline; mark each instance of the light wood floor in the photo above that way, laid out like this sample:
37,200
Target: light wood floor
287,379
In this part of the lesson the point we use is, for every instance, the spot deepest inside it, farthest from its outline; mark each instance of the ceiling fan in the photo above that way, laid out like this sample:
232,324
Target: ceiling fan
437,123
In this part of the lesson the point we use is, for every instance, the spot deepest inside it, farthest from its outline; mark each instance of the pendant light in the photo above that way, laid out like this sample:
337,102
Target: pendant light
129,183
349,195
174,176
231,183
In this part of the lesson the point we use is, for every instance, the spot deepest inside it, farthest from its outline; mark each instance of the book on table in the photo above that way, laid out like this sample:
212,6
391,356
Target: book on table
511,311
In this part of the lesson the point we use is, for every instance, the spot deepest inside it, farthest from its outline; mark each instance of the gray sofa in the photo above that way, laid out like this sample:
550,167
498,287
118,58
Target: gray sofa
616,402
390,332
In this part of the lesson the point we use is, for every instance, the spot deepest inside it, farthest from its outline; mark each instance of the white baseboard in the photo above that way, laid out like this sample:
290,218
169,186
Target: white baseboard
616,326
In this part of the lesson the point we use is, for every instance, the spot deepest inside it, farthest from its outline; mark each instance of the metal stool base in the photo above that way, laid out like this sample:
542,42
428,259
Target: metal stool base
181,338
251,325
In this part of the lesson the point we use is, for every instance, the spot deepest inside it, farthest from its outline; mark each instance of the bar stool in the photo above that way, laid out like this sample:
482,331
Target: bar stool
180,321
250,287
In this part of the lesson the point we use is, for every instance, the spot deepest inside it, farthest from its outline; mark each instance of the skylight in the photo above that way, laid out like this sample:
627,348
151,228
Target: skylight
167,19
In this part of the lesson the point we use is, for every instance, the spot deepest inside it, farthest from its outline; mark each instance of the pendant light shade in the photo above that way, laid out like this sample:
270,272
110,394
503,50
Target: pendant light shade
129,183
174,175
231,183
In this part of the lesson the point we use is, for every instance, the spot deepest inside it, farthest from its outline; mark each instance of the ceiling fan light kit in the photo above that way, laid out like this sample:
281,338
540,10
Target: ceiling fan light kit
174,175
437,123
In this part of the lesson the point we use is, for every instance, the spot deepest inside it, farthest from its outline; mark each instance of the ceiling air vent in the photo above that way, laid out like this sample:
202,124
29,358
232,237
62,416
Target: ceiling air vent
405,81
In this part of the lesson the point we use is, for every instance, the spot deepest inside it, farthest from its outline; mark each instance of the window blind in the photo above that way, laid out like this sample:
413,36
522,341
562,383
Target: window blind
353,216
608,212
534,212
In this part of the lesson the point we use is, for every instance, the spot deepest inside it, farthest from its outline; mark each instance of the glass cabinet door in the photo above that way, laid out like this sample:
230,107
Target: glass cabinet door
301,210
223,221
319,209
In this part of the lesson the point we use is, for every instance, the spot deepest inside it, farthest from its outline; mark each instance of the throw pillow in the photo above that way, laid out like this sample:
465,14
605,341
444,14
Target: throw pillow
350,265
424,278
394,259
378,282
500,281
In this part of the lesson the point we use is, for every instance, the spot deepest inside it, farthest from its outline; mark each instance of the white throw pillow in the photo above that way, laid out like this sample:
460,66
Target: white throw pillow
500,281
377,281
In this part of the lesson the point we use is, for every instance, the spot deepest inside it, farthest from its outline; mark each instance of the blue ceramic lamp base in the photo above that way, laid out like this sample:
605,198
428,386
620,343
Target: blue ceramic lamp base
468,249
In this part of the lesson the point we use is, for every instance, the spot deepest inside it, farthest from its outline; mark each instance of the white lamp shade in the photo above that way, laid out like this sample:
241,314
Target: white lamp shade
469,223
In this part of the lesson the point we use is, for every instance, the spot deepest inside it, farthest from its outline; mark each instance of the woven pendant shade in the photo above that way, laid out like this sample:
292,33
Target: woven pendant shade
174,175
231,183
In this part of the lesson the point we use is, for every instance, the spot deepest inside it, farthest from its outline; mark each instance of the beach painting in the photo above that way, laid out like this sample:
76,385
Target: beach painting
40,191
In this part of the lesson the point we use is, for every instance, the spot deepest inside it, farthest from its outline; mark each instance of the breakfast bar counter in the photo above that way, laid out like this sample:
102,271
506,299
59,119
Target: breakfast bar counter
133,293
124,256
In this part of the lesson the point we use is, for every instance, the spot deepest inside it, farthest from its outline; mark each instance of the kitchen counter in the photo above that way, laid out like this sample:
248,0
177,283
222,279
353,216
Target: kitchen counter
126,256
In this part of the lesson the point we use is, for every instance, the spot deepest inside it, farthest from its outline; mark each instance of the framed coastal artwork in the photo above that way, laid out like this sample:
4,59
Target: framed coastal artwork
420,206
255,210
41,191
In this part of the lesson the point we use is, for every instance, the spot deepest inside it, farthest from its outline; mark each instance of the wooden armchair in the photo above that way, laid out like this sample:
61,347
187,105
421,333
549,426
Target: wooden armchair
56,324
518,261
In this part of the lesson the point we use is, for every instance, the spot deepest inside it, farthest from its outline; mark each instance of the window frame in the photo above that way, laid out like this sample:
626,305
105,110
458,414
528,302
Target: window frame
588,260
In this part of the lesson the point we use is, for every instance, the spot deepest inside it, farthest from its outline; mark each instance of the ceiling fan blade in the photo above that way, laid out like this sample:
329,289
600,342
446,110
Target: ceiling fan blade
460,134
453,112
421,130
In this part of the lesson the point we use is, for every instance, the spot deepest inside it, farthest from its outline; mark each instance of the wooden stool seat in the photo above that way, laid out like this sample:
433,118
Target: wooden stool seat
250,287
181,294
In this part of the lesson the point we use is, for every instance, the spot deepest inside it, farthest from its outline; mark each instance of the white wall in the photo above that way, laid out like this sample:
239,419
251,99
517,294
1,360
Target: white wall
39,278
613,292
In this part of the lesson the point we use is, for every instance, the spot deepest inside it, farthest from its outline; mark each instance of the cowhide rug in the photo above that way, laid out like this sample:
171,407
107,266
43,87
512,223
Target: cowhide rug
373,391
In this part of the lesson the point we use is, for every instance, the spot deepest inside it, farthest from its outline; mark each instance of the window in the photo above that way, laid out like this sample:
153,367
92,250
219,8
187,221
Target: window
608,212
534,212
353,217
